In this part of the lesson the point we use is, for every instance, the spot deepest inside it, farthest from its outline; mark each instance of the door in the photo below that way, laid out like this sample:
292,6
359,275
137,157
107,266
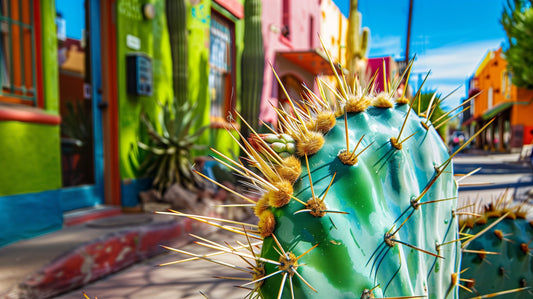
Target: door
79,98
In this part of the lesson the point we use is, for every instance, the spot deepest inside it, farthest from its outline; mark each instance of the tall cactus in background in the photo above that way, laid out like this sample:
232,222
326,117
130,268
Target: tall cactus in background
177,28
356,43
252,65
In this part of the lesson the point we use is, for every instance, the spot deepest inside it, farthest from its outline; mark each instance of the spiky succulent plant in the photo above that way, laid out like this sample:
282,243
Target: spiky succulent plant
170,146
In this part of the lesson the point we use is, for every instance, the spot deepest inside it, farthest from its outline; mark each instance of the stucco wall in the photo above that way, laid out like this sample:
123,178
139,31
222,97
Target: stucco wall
333,27
198,25
30,157
490,76
300,39
154,42
49,56
30,152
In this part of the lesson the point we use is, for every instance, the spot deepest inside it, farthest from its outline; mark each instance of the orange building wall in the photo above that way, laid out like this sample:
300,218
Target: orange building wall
523,114
491,74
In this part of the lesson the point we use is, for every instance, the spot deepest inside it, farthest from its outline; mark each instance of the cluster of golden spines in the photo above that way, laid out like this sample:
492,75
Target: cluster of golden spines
503,208
347,158
266,224
402,100
290,169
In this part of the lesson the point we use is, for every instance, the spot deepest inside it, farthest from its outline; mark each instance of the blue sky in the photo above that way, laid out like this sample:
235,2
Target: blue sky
450,38
73,12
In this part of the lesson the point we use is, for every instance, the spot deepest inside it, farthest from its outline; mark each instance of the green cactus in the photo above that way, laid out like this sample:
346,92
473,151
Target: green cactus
357,203
370,245
498,260
252,65
356,43
177,27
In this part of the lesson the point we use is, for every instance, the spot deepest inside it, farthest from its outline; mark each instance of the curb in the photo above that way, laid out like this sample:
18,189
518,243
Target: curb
105,255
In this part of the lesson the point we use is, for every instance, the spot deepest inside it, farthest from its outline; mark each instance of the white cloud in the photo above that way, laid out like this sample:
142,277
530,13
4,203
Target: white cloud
384,45
450,67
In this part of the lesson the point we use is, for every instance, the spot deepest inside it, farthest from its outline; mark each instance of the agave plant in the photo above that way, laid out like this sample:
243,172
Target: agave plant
169,158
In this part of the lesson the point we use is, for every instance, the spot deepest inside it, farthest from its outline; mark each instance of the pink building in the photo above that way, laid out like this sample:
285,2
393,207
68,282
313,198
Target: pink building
292,46
375,66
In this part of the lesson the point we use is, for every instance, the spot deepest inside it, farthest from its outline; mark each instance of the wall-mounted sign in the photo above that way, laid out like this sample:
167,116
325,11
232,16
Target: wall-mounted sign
139,74
133,42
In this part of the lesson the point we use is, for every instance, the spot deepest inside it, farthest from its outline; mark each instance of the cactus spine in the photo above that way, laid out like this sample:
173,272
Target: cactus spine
252,65
356,44
177,28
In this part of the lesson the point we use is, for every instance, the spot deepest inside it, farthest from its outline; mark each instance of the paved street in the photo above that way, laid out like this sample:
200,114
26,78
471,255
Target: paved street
499,173
146,280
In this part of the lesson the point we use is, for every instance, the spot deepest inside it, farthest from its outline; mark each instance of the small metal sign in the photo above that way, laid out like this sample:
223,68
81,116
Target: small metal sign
133,42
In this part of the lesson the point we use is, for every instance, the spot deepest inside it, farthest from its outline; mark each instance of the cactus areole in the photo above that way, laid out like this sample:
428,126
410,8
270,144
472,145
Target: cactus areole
386,227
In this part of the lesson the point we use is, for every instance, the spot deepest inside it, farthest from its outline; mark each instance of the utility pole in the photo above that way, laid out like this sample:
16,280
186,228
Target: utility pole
408,40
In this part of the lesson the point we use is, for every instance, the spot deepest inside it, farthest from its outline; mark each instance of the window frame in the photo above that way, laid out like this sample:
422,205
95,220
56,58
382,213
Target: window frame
285,36
229,101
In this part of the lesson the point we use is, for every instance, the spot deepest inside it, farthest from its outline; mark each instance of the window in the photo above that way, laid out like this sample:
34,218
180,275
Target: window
17,52
311,32
490,100
221,65
506,84
285,19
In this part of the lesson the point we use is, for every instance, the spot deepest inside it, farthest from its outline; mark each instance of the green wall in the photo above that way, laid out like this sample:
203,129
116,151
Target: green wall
49,56
155,43
153,35
198,22
30,157
29,152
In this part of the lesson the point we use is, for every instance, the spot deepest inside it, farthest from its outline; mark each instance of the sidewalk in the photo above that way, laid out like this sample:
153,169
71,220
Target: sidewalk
60,261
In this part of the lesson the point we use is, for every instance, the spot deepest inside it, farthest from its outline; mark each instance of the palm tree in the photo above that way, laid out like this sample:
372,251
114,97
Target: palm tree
421,104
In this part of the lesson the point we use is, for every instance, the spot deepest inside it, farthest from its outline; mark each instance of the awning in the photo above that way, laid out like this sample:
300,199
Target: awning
312,61
468,121
500,108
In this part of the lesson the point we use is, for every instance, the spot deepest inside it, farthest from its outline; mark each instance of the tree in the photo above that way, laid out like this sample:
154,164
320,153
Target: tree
517,21
421,104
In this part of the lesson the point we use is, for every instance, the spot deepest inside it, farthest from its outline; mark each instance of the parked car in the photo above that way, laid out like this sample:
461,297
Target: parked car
456,140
